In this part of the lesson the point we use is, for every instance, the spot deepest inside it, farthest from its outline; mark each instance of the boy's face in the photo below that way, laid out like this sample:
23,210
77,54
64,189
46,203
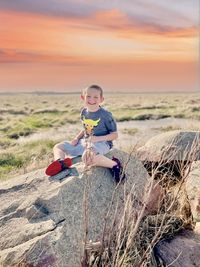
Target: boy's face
92,99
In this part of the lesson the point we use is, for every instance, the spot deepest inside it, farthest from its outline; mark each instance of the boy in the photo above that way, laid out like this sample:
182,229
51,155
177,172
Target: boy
94,141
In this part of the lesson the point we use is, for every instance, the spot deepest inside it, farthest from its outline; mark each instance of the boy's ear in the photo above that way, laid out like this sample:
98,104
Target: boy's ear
102,99
82,97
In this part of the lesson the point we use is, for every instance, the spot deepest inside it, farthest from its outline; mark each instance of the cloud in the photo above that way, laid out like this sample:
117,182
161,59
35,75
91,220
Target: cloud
164,12
14,56
103,35
116,20
152,12
49,8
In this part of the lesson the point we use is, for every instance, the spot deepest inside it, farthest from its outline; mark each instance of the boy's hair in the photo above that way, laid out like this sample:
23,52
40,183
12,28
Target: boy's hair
94,86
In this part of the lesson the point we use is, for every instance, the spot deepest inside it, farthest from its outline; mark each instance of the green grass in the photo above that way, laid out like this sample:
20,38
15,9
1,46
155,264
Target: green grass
5,143
126,114
35,122
8,159
25,155
8,163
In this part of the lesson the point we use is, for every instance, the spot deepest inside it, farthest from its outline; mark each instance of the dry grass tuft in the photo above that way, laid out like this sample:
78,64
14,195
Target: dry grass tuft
132,237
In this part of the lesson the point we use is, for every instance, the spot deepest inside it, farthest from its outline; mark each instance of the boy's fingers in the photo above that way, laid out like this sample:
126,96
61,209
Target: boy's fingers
88,157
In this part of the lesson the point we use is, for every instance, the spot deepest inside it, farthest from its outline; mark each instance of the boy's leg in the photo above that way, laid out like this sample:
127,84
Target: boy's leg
102,161
60,163
58,151
114,165
63,149
95,155
90,158
98,159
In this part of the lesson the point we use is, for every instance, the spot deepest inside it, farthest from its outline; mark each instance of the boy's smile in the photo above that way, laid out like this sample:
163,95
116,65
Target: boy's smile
92,99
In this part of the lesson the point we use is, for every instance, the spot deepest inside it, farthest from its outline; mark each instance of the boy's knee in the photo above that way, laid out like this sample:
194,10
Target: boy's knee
58,146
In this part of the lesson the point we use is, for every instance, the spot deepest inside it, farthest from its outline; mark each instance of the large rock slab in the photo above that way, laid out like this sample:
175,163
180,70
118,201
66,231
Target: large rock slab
193,190
181,251
43,221
171,146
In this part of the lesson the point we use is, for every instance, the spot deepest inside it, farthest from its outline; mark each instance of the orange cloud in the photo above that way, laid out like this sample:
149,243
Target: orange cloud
107,35
12,56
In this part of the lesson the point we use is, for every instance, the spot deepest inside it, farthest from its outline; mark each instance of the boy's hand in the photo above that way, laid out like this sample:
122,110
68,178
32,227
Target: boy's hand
74,142
88,157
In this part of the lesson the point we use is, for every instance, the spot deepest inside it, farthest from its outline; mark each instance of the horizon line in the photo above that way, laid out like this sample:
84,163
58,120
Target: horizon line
105,92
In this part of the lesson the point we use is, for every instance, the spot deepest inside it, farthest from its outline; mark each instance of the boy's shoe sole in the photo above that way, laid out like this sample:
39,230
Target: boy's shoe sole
57,166
61,175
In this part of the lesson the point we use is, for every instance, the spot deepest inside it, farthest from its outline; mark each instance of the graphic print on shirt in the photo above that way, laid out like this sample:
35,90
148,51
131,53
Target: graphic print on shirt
90,124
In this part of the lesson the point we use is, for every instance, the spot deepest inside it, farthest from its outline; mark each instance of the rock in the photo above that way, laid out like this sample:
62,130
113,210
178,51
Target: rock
181,251
193,190
170,146
180,206
156,196
170,153
42,221
197,227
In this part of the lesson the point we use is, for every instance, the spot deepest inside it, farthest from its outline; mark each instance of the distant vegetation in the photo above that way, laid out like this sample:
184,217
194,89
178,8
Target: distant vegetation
25,114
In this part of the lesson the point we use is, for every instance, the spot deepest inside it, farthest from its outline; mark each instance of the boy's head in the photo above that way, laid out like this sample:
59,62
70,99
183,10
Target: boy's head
93,97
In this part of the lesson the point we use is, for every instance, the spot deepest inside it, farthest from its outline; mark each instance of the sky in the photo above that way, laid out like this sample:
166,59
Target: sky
121,45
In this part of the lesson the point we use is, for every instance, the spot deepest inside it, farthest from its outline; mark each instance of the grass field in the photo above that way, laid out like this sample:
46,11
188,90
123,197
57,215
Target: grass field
25,115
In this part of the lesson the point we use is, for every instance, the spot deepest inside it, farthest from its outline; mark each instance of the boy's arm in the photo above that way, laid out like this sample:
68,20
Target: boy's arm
74,142
108,137
79,135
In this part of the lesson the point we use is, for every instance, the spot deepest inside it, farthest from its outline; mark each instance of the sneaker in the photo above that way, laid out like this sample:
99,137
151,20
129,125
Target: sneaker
57,166
117,171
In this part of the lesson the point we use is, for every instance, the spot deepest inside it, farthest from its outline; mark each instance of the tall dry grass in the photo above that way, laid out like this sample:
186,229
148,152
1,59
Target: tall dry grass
130,239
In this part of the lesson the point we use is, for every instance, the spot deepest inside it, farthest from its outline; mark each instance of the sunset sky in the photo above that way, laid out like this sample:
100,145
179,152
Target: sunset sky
127,45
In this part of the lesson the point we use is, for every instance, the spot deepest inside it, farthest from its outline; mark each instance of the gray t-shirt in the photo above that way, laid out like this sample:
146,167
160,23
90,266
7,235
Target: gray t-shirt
98,123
